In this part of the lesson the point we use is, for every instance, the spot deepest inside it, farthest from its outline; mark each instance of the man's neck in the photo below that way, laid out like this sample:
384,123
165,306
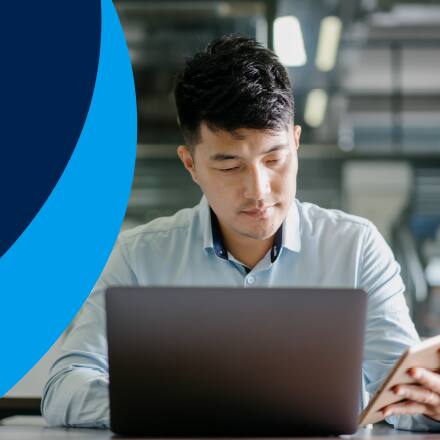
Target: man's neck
248,251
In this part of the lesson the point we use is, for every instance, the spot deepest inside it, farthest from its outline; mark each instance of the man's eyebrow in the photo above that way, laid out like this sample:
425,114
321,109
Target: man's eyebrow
276,147
222,156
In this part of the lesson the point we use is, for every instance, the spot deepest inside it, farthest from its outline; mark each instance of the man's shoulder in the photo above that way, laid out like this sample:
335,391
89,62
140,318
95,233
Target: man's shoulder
313,216
178,223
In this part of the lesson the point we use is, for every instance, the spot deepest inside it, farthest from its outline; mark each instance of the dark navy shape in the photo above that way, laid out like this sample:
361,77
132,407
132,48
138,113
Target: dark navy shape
50,55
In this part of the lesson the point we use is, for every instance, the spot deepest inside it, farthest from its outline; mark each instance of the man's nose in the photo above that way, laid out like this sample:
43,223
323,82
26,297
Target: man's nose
257,184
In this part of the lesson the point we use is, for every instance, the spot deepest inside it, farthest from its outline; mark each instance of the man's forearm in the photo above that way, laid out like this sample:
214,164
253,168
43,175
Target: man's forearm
77,396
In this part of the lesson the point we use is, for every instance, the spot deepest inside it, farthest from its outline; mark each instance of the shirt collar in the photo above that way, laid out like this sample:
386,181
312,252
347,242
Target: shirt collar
217,238
292,229
287,236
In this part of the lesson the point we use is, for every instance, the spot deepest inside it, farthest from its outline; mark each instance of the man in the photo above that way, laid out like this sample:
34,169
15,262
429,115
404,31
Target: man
235,109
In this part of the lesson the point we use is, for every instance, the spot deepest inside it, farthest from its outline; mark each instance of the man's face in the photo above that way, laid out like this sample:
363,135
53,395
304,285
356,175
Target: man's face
249,178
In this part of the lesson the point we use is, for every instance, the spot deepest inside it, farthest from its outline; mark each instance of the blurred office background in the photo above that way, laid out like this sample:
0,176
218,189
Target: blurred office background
366,80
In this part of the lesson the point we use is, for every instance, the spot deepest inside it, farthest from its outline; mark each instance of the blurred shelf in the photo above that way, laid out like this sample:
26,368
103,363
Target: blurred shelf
159,151
431,94
308,152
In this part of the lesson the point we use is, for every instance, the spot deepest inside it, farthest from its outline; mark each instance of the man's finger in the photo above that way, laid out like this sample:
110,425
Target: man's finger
406,407
417,393
427,378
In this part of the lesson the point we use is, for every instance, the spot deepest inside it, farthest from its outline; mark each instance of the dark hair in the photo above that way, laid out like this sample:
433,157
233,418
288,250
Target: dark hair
235,83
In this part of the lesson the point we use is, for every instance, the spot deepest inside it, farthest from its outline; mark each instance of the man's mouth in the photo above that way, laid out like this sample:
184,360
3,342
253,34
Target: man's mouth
259,212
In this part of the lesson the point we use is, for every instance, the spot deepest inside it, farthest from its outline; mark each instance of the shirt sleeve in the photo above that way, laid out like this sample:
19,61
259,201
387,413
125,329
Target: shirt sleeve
76,393
389,328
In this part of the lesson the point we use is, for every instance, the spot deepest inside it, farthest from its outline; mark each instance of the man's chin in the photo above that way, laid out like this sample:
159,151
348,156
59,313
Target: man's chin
259,232
259,237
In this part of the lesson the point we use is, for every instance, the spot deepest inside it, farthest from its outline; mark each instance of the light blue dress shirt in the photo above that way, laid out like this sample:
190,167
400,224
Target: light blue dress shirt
316,247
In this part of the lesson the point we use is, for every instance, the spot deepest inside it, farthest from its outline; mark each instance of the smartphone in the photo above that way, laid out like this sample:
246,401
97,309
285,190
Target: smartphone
424,354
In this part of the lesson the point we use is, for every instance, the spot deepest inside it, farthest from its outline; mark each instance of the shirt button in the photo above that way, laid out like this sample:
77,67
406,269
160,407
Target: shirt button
250,279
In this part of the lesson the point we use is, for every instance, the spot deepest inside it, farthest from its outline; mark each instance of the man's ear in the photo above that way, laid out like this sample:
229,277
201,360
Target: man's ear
297,134
188,161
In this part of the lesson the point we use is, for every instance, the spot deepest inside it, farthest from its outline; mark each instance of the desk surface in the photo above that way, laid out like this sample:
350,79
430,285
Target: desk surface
33,428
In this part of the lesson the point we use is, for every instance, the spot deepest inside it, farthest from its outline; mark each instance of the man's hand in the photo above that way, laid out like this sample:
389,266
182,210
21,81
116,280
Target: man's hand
422,397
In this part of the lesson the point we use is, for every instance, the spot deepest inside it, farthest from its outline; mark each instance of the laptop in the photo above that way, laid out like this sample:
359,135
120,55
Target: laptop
193,362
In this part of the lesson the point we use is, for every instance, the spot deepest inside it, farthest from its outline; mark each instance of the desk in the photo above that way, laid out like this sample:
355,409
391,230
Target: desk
33,428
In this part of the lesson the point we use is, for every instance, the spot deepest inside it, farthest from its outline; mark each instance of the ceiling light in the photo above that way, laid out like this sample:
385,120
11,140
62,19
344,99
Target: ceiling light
328,42
288,41
316,106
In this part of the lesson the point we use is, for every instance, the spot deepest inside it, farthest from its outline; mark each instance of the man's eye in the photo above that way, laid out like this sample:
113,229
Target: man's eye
273,161
229,169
